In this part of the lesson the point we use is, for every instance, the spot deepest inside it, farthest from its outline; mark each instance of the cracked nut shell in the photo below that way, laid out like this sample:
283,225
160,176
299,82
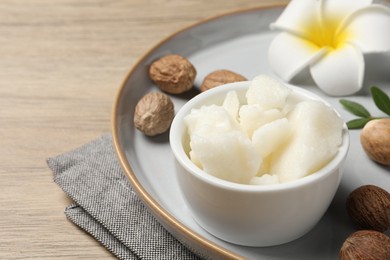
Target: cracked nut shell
154,113
173,74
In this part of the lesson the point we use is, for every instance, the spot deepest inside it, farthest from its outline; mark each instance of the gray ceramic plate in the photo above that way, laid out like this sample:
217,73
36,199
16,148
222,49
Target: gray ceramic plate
239,42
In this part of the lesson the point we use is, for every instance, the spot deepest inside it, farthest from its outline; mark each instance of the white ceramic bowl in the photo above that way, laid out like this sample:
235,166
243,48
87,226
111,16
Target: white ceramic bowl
252,215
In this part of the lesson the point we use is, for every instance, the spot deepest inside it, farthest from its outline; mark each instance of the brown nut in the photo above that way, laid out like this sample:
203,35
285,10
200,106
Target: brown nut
375,139
154,113
367,245
369,207
220,77
173,74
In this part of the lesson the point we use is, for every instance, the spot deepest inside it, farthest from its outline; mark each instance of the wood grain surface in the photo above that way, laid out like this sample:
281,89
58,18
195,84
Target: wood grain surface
61,64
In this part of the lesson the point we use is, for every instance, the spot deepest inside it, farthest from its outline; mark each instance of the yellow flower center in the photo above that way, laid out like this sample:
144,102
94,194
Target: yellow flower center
326,35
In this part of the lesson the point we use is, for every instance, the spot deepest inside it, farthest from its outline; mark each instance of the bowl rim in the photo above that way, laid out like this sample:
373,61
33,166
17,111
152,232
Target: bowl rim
177,130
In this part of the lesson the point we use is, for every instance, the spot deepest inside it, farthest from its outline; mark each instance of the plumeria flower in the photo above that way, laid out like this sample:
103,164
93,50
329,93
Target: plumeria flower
329,37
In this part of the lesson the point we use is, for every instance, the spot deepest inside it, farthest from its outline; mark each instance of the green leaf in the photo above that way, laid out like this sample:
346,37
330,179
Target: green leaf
381,99
358,123
355,108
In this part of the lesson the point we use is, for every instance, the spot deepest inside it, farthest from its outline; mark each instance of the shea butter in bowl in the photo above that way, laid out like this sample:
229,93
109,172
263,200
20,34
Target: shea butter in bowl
258,162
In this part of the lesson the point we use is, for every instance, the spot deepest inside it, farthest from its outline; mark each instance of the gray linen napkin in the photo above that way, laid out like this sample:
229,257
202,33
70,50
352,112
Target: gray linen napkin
106,206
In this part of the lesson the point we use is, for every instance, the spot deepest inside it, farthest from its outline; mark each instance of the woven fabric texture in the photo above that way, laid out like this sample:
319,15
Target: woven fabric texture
106,206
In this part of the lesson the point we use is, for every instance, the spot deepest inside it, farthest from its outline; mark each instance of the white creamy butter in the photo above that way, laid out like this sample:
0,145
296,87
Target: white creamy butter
266,140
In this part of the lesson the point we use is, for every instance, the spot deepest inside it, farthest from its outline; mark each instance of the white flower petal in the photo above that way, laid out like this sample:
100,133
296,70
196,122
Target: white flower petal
369,29
288,55
340,72
338,9
297,15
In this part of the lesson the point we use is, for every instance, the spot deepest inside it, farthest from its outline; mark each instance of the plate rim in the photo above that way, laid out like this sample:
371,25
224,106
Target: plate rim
148,199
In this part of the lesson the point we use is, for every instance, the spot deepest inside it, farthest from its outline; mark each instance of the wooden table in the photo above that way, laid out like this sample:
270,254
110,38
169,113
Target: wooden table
61,63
